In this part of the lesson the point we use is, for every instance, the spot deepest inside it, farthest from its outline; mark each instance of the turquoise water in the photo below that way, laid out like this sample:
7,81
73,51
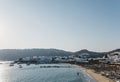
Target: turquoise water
34,73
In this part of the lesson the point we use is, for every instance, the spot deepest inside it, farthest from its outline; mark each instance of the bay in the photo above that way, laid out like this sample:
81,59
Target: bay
48,73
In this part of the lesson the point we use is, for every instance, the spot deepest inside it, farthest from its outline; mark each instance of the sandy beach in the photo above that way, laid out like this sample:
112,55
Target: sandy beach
98,77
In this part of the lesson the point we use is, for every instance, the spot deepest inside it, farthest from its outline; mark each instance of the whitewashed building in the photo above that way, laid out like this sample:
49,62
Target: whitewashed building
112,57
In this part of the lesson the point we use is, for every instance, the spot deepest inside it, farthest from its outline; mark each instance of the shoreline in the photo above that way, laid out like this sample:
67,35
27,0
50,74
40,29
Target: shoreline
97,76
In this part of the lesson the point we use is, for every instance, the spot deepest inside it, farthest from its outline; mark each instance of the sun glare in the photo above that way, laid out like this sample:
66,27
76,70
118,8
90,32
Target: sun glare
3,73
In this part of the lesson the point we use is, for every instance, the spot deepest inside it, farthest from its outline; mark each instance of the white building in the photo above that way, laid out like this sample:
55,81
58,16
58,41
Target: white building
113,57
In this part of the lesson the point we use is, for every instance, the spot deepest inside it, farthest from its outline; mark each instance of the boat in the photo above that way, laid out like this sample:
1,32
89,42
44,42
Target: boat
11,64
28,64
20,66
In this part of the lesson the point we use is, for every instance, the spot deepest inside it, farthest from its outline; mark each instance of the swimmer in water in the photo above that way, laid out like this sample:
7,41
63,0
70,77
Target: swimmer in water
77,73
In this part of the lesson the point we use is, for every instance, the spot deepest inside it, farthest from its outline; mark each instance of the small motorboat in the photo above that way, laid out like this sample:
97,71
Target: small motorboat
20,66
11,64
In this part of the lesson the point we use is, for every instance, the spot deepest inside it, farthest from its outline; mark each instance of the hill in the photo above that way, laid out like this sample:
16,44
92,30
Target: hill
90,53
13,54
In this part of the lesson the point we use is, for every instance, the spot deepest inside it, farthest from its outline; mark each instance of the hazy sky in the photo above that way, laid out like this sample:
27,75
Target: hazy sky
63,24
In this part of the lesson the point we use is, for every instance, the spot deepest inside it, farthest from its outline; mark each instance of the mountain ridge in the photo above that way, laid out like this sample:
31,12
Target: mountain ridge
13,54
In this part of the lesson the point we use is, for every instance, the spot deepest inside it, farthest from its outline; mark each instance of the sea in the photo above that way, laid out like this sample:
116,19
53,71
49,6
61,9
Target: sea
43,73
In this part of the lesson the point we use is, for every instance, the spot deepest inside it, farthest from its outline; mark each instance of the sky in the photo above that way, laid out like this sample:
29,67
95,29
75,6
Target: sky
69,25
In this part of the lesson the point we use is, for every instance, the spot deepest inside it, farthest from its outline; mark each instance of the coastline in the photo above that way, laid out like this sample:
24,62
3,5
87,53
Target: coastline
97,76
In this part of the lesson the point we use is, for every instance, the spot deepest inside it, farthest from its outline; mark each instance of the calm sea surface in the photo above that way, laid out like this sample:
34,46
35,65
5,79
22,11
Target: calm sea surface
33,73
